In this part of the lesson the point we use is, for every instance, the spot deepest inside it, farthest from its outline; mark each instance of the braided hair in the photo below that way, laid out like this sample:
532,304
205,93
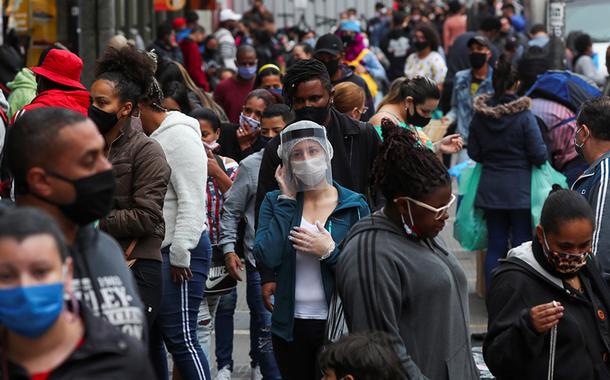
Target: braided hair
404,167
304,71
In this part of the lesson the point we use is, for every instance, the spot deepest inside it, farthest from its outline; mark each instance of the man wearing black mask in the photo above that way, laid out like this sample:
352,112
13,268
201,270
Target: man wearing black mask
329,50
469,84
56,157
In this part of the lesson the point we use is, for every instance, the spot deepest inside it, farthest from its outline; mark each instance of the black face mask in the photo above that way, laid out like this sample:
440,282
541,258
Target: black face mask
477,60
420,45
104,120
316,114
93,197
332,67
416,119
347,39
264,139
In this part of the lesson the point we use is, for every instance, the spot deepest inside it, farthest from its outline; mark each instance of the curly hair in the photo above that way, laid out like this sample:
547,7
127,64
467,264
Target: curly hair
430,34
130,70
405,167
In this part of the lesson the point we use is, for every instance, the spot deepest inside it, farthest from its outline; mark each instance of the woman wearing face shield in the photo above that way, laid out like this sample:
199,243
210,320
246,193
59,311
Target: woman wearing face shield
44,336
299,229
548,302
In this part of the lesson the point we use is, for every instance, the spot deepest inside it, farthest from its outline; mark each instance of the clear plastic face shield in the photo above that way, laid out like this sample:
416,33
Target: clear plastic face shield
306,155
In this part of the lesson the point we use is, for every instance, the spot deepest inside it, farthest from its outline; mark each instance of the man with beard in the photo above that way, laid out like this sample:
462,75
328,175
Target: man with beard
329,50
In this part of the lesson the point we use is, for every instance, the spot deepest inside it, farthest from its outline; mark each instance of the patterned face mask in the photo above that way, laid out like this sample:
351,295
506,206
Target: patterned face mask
565,262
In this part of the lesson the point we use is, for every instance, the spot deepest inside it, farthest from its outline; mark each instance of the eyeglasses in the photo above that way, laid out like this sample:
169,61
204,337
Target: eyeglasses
438,212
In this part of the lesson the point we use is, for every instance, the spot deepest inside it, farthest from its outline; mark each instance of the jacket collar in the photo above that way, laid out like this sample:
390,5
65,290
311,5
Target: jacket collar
508,105
347,126
347,199
590,172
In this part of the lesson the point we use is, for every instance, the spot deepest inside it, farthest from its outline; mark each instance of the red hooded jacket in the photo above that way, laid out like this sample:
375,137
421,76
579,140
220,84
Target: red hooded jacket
76,100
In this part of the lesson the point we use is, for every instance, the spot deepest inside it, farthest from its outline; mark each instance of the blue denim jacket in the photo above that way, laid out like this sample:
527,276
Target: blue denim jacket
462,100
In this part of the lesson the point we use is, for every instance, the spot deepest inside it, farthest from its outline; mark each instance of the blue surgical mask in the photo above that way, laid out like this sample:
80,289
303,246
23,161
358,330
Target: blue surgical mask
31,311
246,72
243,119
310,41
277,91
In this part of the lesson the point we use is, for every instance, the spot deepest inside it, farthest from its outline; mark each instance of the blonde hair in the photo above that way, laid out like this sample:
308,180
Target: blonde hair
348,96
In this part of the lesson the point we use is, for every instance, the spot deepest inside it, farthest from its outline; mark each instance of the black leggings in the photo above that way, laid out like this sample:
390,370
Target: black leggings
298,360
147,274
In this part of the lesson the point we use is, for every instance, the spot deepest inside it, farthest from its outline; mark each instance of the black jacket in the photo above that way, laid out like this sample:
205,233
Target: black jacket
106,353
229,146
514,350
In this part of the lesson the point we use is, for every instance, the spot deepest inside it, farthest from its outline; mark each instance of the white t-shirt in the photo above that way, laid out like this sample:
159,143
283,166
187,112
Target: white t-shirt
309,299
433,67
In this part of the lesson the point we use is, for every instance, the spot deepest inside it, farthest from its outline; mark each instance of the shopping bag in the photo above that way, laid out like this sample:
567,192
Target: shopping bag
470,228
543,179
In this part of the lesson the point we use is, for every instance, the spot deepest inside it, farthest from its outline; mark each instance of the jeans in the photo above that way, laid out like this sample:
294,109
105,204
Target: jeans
298,360
176,323
217,313
261,348
502,224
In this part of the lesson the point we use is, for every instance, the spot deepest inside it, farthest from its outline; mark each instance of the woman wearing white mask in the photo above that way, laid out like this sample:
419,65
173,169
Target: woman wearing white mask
299,229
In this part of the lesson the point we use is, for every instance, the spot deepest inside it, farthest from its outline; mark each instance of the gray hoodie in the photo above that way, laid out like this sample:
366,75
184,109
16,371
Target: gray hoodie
413,289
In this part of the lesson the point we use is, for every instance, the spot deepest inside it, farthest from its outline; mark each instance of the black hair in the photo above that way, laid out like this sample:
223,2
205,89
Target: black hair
197,29
582,43
276,110
430,34
509,6
405,167
305,70
537,28
269,71
177,91
32,141
208,115
454,7
398,18
191,16
563,205
164,30
129,69
242,49
262,94
505,76
490,24
23,222
595,114
306,47
45,84
366,356
419,88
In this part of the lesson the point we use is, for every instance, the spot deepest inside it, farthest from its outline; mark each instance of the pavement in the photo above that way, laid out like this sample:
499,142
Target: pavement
478,313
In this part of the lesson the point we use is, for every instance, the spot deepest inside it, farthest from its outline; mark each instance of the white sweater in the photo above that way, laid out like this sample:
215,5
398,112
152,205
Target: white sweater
184,208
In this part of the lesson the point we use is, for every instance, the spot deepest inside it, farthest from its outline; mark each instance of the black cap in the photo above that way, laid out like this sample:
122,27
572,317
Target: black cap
481,40
329,43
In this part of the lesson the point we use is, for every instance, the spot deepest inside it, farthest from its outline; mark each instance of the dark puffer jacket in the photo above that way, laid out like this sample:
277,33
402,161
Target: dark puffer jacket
142,174
504,137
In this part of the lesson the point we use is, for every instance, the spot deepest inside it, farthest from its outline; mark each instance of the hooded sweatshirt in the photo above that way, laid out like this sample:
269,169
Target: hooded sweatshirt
504,137
23,90
415,290
76,100
184,207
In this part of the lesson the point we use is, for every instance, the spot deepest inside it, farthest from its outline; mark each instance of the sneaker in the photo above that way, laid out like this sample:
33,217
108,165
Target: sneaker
255,373
224,373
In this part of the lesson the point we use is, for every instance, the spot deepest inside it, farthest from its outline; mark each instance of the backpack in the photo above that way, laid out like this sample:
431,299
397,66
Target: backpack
368,78
563,87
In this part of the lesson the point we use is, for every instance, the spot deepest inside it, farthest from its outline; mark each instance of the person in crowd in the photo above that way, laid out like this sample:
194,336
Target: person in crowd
210,53
226,41
592,142
269,77
396,45
365,356
238,141
426,60
231,93
329,50
538,36
217,308
58,83
308,36
169,71
583,61
410,104
180,29
509,41
186,249
550,286
517,20
4,120
46,336
239,205
298,231
377,27
193,61
140,168
257,13
505,139
357,55
165,44
394,273
350,100
175,97
57,159
467,85
454,25
23,91
302,50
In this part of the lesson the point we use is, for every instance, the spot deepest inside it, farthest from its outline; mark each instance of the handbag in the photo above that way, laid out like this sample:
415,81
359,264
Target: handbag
219,280
543,179
470,227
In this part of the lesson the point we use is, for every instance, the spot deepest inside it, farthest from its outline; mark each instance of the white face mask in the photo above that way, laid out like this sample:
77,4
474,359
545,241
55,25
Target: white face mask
311,172
211,146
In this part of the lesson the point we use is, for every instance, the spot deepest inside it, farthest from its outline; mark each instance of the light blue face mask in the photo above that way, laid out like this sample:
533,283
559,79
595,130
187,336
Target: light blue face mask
310,41
246,72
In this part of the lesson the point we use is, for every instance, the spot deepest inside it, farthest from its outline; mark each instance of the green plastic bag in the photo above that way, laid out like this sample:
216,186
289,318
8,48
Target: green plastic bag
470,227
543,179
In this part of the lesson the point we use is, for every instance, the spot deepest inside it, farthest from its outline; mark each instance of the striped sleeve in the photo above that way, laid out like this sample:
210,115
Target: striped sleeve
601,206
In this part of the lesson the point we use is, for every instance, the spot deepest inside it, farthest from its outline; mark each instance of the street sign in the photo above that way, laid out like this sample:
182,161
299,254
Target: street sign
557,18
